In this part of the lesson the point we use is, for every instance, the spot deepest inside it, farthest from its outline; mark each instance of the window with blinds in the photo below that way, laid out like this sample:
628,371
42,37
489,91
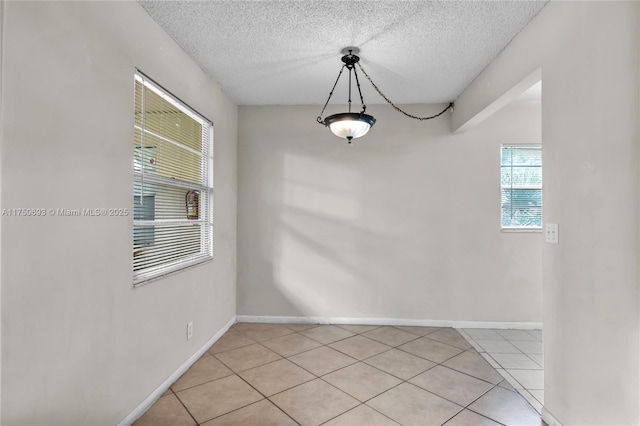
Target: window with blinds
521,185
172,184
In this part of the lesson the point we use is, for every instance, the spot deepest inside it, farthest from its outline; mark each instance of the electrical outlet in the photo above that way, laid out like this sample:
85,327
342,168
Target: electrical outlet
551,233
189,330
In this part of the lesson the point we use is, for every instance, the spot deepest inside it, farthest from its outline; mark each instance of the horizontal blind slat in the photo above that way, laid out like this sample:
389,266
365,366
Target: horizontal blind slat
173,184
521,186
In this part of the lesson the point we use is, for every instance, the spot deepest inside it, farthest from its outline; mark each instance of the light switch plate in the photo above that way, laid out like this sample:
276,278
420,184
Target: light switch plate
551,233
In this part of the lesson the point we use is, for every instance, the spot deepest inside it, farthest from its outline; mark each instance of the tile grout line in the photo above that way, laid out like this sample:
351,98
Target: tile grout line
333,371
266,397
524,389
492,356
235,373
402,381
529,356
393,375
363,361
185,407
357,406
407,381
204,383
480,396
471,350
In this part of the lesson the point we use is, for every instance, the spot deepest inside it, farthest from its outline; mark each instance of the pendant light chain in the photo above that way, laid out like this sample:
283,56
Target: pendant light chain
352,125
397,108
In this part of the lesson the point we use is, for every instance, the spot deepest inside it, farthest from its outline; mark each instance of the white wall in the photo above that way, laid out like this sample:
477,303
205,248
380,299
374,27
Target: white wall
404,223
588,53
79,344
1,144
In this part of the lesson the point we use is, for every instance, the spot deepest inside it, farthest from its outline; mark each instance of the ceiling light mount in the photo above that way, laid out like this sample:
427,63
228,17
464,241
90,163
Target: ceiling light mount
350,49
350,125
350,60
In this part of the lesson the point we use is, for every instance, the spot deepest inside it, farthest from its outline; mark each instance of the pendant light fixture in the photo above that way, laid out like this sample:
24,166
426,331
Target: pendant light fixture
350,125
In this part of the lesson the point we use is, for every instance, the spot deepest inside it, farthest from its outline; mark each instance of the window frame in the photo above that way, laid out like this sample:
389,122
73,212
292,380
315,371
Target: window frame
205,189
521,229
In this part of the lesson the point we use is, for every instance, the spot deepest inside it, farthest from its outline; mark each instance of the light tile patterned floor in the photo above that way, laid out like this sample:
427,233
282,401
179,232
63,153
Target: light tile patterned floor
516,355
345,375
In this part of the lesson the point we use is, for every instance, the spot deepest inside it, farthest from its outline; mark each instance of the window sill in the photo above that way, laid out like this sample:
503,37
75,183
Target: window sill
521,230
164,271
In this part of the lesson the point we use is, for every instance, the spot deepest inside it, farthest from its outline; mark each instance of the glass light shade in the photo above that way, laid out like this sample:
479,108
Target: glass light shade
350,125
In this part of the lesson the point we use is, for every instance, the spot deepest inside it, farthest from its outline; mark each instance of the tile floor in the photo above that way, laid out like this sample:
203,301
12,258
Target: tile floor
277,374
517,355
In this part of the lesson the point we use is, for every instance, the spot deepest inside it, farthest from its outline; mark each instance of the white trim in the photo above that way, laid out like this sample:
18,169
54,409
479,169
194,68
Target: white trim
391,321
521,230
170,97
283,320
164,386
498,325
548,418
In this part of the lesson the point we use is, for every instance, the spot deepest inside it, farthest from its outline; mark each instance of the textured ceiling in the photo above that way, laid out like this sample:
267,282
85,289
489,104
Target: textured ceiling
288,52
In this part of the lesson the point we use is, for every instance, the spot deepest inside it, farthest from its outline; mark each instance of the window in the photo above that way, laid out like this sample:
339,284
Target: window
521,184
172,184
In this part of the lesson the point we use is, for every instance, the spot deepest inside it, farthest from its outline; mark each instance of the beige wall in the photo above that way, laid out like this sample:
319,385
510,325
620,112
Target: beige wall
404,223
79,344
1,156
383,228
588,55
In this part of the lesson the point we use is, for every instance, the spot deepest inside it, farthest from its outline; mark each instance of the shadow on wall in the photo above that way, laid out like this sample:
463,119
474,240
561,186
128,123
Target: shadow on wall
345,245
314,235
404,223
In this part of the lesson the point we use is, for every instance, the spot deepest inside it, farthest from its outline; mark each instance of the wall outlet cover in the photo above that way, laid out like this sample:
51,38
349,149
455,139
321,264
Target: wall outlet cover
189,330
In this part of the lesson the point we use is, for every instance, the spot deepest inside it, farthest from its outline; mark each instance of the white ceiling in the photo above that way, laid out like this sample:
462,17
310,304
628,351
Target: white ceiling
288,52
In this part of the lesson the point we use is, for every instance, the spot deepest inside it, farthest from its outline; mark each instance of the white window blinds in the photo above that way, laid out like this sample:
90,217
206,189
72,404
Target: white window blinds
172,185
521,184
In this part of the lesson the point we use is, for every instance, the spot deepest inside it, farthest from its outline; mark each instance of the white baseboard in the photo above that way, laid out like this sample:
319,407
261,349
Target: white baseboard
282,320
548,418
160,390
498,325
391,321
